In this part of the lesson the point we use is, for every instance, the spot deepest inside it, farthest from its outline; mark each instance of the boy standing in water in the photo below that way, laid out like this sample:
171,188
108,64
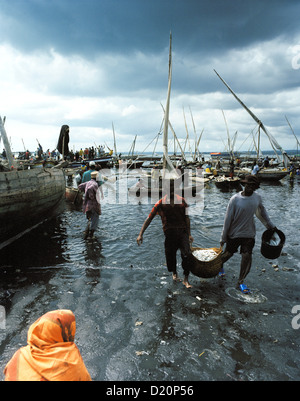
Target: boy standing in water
176,226
239,227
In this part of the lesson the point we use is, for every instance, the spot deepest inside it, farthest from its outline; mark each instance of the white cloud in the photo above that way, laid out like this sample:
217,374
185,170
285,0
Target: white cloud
43,90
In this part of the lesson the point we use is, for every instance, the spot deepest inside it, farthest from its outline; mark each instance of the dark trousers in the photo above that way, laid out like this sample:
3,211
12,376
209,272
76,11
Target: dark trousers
177,239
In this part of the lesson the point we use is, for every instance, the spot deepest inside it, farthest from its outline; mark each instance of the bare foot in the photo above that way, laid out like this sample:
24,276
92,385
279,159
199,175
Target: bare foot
175,277
186,283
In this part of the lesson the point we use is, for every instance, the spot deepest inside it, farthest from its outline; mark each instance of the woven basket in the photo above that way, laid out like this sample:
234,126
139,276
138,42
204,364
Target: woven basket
207,269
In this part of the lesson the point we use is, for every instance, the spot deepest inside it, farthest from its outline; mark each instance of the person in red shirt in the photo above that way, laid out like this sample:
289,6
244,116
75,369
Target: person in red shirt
176,226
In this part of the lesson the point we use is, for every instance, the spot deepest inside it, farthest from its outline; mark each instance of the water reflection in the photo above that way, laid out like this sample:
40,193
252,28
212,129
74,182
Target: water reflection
93,253
43,246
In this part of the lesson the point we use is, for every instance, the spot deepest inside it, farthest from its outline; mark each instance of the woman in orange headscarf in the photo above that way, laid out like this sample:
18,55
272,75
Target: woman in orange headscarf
51,354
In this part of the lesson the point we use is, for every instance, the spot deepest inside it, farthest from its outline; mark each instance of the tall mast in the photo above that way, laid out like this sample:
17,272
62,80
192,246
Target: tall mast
293,133
115,146
167,164
6,144
272,140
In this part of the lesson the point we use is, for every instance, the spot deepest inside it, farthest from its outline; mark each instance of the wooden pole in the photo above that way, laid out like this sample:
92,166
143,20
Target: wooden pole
9,155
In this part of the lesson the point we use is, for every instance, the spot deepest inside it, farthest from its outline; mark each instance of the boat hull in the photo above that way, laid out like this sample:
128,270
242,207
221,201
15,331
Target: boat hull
272,176
227,183
27,197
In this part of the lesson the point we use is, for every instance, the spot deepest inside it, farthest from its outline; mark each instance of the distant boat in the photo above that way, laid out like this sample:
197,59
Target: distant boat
266,174
271,175
226,155
104,162
154,192
227,182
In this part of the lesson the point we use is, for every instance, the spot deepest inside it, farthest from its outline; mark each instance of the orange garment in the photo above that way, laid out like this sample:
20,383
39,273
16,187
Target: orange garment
51,354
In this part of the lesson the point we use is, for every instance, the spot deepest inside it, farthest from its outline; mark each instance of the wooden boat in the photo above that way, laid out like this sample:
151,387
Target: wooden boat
43,164
155,193
127,164
275,145
271,175
104,162
267,174
169,172
227,182
27,197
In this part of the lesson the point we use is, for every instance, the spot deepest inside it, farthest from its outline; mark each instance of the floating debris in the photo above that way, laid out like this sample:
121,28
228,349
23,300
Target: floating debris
140,353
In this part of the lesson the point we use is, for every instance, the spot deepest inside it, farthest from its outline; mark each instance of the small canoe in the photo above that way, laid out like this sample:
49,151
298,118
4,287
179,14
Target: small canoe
227,182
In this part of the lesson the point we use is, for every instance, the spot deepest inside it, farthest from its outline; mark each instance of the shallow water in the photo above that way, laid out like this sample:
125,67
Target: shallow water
133,322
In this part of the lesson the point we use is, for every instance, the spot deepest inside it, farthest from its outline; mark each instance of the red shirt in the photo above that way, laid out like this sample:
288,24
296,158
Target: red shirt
172,216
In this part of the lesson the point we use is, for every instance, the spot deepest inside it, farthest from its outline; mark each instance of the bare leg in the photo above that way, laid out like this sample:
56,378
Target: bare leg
226,256
186,282
87,230
245,267
175,276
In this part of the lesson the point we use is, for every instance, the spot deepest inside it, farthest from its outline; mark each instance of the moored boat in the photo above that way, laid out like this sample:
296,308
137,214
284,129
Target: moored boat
266,174
27,197
227,182
271,175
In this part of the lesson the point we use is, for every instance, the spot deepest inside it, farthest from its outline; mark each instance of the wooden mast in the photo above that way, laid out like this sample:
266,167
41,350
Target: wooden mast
6,144
115,145
272,140
167,164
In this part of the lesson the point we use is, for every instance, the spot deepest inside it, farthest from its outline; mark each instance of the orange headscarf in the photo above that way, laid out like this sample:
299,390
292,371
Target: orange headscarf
51,354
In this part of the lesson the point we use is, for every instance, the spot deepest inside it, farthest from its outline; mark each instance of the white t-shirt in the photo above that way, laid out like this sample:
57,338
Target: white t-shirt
239,218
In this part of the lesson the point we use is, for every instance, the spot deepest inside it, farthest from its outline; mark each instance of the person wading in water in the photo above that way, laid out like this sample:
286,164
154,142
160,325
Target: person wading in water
239,226
176,226
91,204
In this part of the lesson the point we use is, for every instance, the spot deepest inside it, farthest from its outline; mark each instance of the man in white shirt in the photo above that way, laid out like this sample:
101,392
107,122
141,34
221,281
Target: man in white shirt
239,226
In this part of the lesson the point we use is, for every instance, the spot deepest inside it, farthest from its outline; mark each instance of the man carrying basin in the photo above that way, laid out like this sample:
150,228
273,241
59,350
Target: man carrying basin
239,226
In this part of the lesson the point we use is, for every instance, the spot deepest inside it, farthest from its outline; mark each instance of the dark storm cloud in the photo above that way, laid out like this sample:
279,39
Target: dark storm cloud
90,62
89,27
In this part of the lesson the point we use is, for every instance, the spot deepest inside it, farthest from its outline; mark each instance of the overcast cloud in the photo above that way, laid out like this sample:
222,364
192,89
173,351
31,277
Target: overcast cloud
88,63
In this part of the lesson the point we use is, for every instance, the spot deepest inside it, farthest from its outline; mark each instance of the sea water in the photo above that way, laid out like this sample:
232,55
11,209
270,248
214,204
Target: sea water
133,322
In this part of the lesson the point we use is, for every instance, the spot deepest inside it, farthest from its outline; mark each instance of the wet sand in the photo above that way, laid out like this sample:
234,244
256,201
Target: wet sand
133,322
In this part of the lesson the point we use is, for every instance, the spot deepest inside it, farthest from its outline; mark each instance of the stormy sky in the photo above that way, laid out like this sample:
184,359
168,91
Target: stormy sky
91,63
